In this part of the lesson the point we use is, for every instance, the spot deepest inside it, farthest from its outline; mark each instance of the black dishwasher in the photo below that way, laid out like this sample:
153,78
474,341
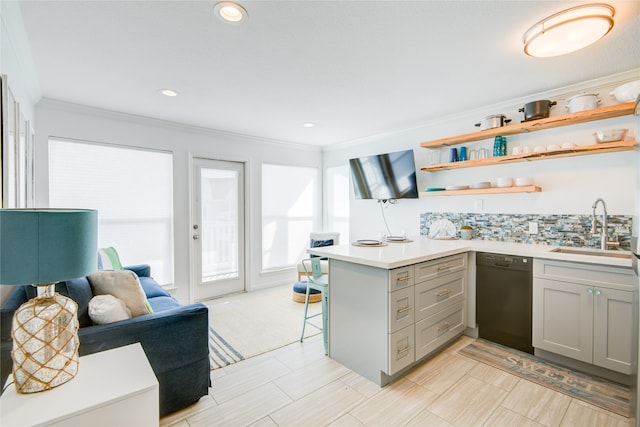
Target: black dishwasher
503,299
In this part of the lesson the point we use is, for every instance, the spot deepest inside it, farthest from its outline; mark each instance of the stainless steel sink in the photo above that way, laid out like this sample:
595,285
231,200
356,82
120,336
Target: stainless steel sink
595,252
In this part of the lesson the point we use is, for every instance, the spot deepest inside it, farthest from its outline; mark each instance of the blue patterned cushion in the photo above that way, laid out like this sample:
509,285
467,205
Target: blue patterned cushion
320,243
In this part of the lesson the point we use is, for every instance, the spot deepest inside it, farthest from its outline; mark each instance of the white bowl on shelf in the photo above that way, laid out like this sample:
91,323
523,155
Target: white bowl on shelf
504,182
523,181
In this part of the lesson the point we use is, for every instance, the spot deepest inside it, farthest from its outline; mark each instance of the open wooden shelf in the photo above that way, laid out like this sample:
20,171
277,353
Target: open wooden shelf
536,125
492,190
581,150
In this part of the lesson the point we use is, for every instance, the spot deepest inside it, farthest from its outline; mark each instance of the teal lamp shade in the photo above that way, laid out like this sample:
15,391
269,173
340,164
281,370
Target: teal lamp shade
42,247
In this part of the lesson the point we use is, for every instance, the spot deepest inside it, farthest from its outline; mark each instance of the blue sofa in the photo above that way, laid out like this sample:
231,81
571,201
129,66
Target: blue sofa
174,337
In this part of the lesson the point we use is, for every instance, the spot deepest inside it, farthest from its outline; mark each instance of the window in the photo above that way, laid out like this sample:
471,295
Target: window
289,213
338,201
132,191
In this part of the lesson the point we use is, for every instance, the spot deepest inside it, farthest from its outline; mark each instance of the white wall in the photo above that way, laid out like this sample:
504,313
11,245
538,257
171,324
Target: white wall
569,185
64,120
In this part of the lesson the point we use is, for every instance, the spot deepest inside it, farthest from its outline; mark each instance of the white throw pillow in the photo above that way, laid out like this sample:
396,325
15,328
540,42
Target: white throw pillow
105,309
123,284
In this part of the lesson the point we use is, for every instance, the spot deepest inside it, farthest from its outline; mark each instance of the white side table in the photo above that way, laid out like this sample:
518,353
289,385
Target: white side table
112,388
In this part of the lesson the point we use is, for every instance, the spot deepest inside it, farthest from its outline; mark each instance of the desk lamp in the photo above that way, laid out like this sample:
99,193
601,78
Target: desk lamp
42,247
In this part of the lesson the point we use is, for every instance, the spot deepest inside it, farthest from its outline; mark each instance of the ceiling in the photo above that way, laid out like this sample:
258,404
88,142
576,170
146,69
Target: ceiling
354,68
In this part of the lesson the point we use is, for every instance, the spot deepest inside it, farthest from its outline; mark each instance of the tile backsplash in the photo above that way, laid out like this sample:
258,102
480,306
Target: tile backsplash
560,230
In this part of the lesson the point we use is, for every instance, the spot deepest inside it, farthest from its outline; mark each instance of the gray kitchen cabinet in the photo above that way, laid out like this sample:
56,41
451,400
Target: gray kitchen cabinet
584,311
381,321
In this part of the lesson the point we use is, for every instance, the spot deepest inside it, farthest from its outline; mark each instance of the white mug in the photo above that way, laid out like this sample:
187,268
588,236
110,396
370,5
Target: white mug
526,150
517,150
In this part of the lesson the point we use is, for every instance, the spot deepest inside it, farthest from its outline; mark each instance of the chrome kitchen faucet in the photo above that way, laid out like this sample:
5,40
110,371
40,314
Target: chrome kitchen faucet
594,223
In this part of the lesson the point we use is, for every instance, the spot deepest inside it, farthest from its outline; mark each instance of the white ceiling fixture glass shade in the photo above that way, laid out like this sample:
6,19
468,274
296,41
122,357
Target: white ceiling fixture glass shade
169,92
230,12
569,30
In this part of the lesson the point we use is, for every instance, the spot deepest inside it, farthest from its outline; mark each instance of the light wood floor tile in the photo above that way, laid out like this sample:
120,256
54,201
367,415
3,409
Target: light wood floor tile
299,354
494,376
459,344
427,418
537,403
503,417
347,420
319,408
447,374
396,404
240,381
263,422
311,377
583,414
176,419
469,402
362,385
243,410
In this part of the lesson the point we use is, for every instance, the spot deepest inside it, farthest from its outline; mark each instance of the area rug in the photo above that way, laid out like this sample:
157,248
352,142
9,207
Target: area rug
597,391
221,353
248,324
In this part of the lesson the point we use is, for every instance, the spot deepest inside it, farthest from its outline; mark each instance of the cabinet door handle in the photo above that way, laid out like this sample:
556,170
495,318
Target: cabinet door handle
444,327
404,310
443,293
597,292
443,267
403,279
589,290
404,350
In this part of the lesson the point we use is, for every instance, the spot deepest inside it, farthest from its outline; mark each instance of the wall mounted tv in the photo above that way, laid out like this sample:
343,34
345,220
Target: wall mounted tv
385,176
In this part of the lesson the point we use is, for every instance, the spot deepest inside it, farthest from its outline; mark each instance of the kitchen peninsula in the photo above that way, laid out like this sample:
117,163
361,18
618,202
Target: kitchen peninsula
392,306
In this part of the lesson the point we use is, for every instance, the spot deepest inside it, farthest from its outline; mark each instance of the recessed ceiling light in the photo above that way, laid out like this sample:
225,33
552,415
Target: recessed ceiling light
309,125
230,12
169,92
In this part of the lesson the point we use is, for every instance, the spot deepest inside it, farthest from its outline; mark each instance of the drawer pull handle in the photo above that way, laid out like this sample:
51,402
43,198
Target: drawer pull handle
404,310
444,327
404,350
403,279
443,293
444,267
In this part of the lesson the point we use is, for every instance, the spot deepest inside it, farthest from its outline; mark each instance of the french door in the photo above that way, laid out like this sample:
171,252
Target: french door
217,228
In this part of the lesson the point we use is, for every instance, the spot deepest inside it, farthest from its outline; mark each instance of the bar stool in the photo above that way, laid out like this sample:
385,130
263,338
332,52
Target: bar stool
316,281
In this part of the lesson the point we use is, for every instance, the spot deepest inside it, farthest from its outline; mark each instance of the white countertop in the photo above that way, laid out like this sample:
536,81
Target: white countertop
395,254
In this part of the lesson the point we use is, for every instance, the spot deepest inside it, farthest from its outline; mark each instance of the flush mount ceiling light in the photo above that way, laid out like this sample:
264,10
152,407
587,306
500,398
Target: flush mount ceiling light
230,12
569,30
308,124
169,92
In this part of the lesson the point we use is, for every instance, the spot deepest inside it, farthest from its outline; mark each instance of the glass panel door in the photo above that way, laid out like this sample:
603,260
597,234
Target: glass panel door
218,227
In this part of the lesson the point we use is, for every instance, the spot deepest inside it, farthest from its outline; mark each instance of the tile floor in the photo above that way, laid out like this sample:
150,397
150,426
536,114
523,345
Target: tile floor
298,386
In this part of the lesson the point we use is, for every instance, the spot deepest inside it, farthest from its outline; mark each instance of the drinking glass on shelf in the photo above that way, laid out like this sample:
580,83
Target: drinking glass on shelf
434,156
473,154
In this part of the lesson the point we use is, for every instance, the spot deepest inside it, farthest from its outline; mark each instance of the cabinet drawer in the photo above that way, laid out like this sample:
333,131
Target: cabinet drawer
438,267
434,295
434,331
401,277
401,349
585,274
401,309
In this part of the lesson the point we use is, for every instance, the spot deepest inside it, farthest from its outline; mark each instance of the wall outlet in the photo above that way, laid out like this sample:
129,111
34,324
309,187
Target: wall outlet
533,227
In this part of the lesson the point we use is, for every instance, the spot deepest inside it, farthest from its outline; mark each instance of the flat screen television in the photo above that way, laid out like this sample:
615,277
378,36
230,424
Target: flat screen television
385,176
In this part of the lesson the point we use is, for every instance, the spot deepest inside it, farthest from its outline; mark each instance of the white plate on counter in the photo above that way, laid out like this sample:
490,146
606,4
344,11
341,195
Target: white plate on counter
369,243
